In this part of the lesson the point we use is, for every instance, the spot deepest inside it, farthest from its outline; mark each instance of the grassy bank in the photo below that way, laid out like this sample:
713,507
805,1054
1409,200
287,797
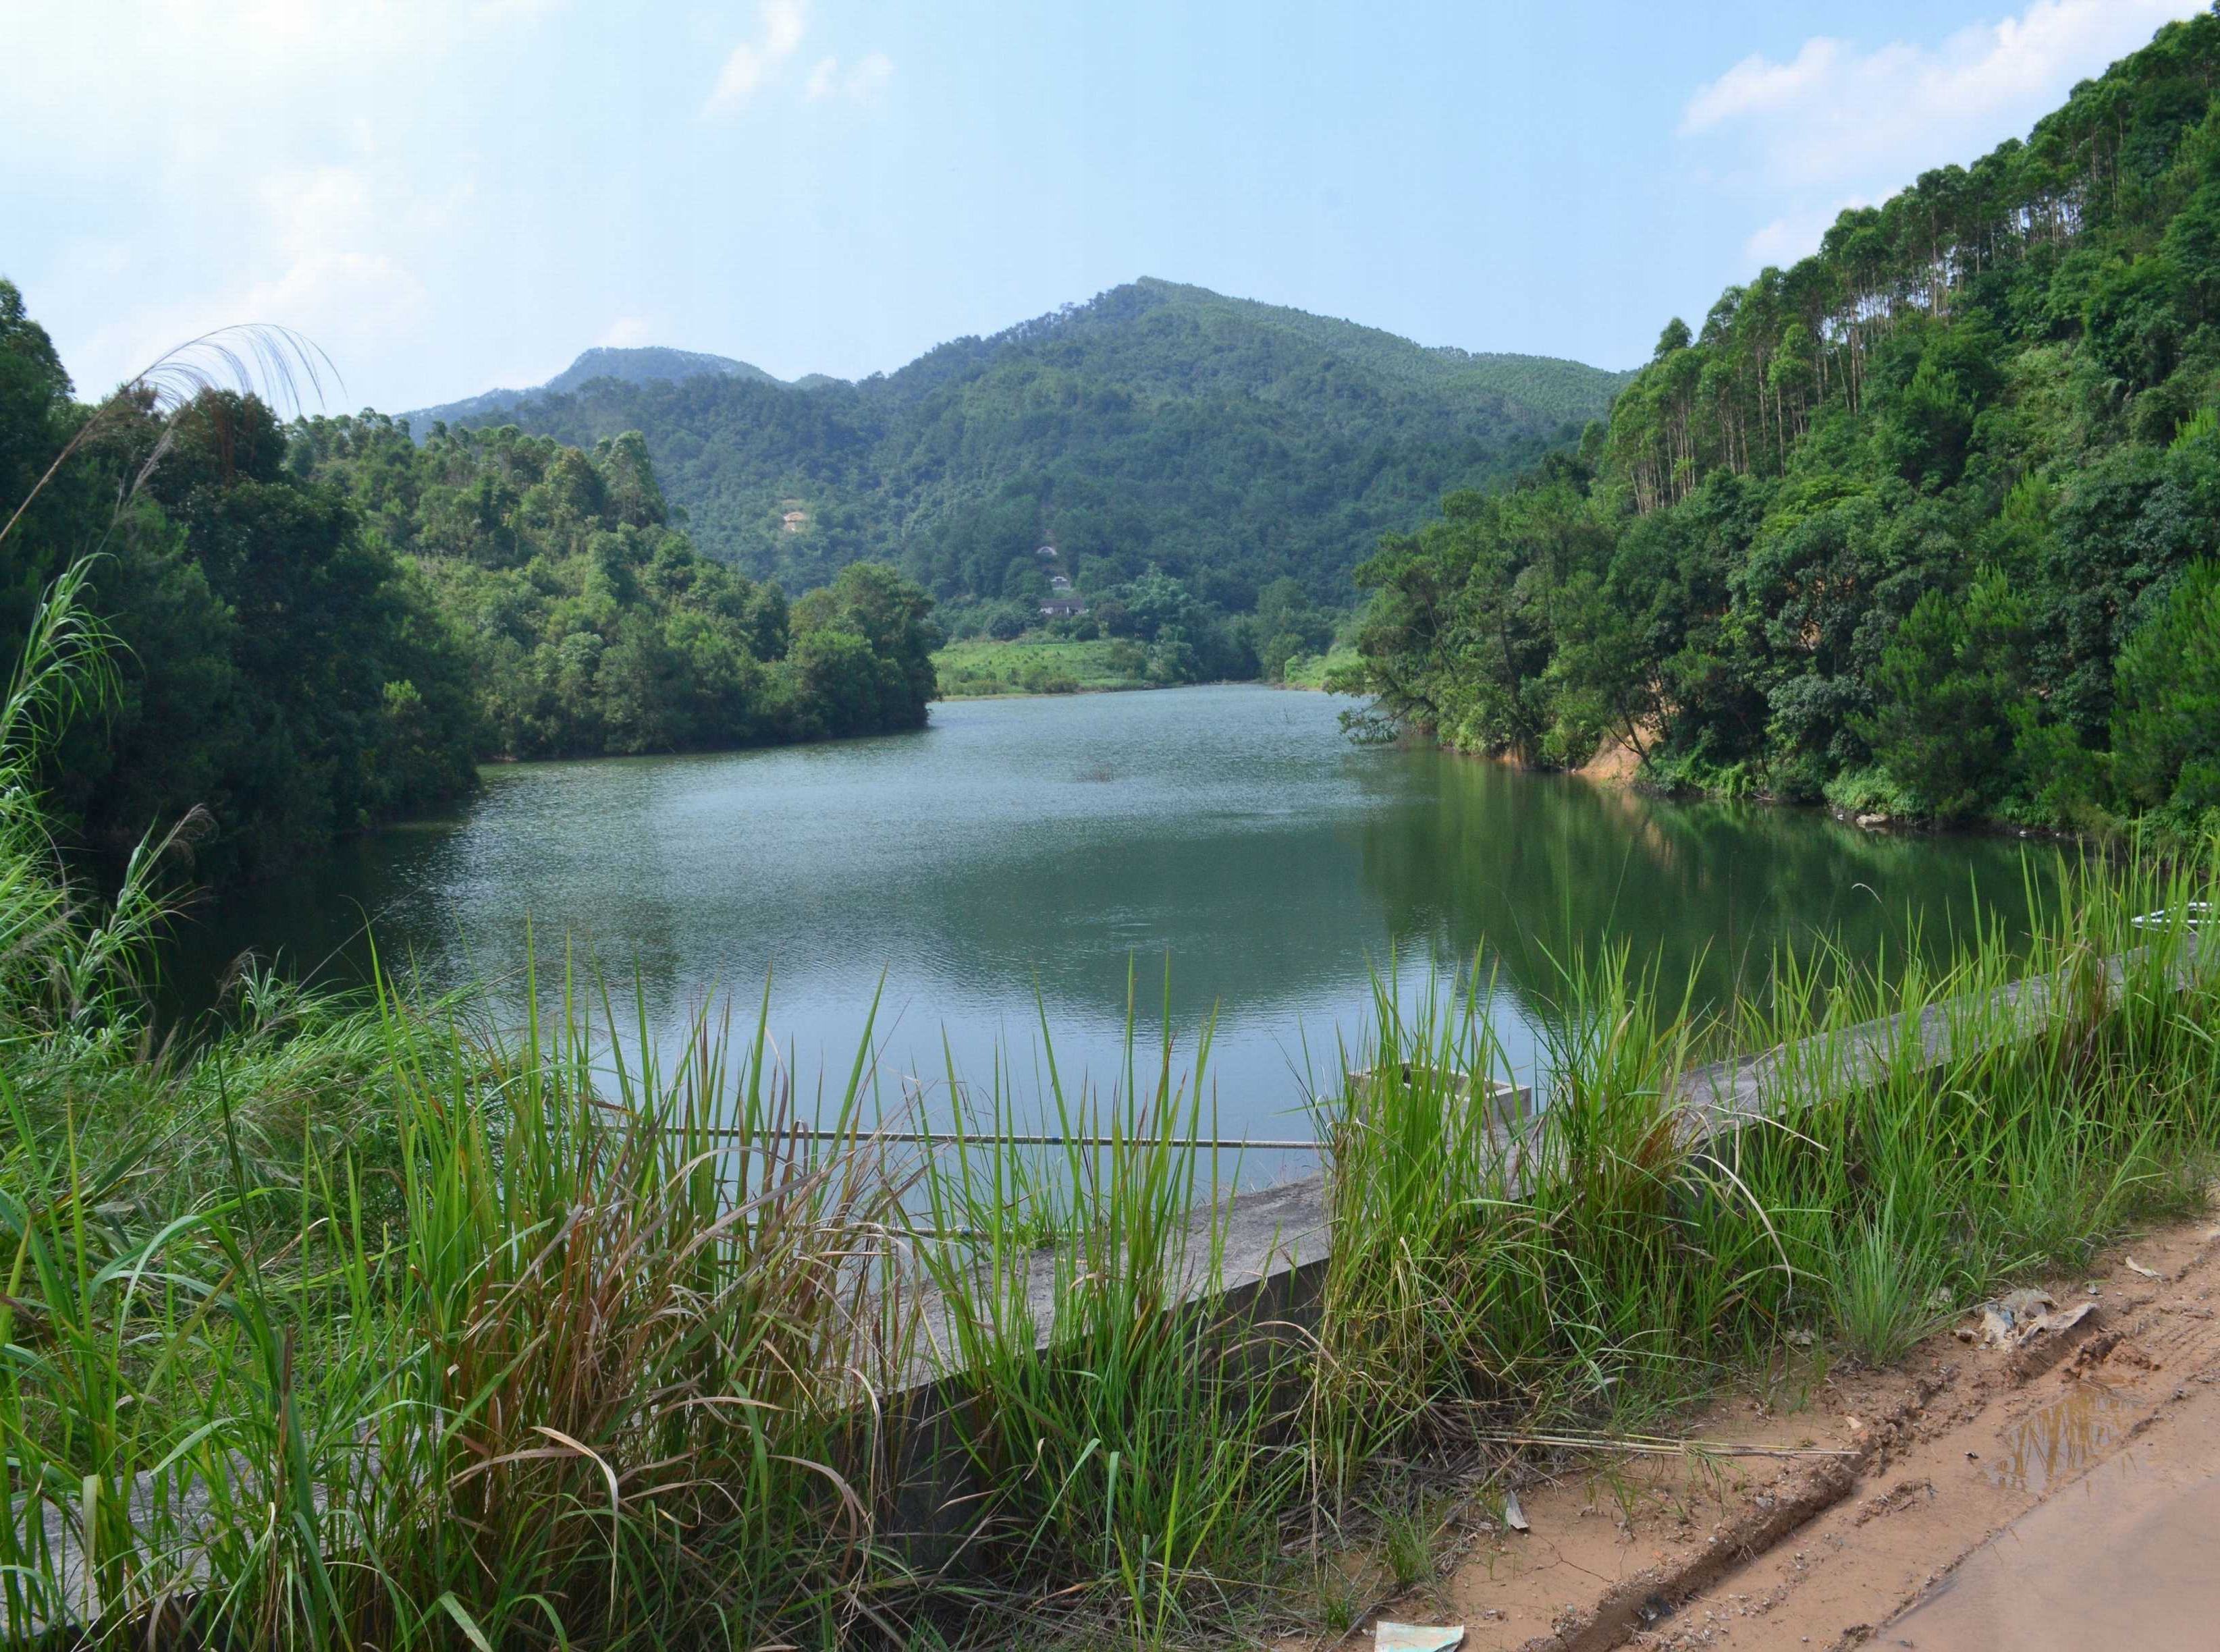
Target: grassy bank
1312,670
370,1323
979,667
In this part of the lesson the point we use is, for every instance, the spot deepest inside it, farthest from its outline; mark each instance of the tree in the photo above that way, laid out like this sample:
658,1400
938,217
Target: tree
2166,719
323,624
1227,444
1945,690
280,671
589,623
2013,368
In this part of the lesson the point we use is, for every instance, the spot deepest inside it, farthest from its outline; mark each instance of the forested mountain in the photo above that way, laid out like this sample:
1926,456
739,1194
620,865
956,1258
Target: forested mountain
1924,524
320,626
645,365
1226,443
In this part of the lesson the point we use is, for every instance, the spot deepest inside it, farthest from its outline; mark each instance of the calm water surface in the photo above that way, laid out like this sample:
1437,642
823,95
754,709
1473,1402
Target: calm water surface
1043,847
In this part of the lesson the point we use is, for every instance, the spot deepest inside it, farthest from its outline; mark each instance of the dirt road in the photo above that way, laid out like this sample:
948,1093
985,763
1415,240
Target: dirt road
2066,1493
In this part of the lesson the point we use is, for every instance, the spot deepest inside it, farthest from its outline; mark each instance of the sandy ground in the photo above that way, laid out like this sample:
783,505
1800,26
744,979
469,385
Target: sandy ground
1975,1499
1615,762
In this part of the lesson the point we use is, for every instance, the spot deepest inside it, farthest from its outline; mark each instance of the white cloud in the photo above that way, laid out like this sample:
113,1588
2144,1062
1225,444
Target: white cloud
1796,234
781,25
1758,83
192,78
625,333
333,251
870,78
1837,125
323,206
349,306
1836,114
757,62
242,161
862,83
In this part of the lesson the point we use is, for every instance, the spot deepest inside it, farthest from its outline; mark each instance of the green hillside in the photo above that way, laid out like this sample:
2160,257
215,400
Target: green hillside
1229,331
1228,442
1926,524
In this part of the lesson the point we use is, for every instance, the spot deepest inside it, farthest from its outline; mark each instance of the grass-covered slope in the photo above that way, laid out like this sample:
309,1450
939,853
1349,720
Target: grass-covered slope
1226,441
978,668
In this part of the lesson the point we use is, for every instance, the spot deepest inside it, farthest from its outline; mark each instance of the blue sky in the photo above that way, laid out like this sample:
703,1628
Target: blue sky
449,195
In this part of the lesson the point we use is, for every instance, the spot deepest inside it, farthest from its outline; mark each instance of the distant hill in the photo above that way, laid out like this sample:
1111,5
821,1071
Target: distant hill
646,365
1226,441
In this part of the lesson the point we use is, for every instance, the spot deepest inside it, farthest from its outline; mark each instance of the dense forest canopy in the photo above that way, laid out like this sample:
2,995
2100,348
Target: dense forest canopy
1225,443
591,625
1924,524
323,626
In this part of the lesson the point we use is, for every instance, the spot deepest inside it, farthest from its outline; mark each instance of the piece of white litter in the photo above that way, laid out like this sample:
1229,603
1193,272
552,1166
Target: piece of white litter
2134,1267
1417,1637
2004,1319
2053,1325
1513,1516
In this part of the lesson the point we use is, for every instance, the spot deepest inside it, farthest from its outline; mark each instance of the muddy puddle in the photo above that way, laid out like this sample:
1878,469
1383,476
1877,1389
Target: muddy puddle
2121,1561
2054,1444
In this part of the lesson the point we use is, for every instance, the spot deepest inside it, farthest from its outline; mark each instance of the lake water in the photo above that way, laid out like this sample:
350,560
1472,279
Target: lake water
1025,853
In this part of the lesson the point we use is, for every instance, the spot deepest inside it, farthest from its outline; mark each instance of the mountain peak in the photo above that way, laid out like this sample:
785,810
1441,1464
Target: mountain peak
646,363
630,365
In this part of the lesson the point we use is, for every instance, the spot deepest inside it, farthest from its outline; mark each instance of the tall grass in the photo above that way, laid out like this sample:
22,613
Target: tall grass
1489,1270
367,1323
1918,1135
1105,1404
593,1373
358,1326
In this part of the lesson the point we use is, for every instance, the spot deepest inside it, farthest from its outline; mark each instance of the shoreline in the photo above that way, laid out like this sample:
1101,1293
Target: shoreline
1616,767
1148,687
1120,688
